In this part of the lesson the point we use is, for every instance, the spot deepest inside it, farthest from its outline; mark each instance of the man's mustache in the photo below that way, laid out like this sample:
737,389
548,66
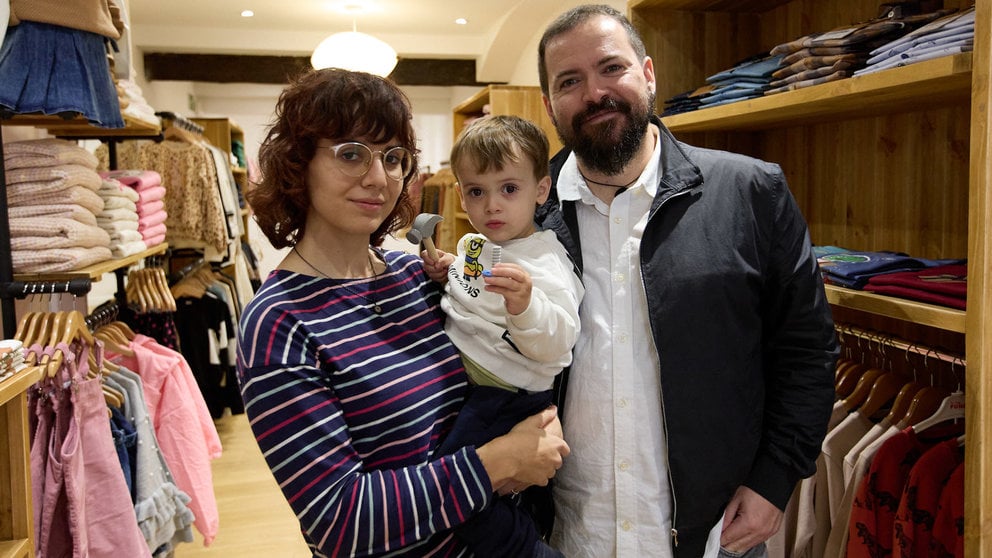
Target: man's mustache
605,104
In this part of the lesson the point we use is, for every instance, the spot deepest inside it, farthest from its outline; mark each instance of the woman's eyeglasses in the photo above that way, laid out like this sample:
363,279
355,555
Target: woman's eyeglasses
355,159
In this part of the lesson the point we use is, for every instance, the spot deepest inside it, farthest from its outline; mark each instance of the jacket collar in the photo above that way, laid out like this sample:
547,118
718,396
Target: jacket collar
677,171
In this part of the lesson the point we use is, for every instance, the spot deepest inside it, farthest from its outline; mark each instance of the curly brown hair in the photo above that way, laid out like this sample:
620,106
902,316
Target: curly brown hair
335,104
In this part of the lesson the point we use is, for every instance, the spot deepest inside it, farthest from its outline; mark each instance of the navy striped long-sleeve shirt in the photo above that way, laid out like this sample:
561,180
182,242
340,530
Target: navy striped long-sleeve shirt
347,406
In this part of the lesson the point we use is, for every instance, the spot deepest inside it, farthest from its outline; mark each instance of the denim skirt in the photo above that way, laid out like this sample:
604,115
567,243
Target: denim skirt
50,69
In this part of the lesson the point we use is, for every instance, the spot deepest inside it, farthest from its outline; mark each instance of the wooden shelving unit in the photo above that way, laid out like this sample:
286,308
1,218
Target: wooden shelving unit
222,132
523,101
16,530
80,127
937,81
895,160
95,271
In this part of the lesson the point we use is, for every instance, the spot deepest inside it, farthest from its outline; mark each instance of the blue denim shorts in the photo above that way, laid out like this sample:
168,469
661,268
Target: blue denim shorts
50,69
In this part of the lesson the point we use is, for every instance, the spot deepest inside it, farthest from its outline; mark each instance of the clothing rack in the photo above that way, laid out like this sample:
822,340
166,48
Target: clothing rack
173,119
10,289
899,344
104,314
24,289
186,270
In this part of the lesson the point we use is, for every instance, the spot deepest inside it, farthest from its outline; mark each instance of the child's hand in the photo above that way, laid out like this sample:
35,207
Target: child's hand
437,269
514,283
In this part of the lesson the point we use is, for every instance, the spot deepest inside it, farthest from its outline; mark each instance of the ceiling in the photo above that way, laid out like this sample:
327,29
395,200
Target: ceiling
417,29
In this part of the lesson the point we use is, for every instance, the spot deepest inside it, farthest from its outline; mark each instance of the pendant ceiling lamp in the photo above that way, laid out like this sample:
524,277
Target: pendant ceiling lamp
354,51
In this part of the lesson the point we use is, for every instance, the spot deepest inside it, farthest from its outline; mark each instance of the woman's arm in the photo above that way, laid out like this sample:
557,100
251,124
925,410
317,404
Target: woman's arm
350,504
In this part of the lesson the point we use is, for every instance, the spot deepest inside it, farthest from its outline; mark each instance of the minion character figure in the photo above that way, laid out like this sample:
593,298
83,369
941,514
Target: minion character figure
473,249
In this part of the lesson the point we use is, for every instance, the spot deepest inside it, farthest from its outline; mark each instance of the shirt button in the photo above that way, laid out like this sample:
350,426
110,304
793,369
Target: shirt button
619,277
622,403
622,338
624,465
618,220
626,525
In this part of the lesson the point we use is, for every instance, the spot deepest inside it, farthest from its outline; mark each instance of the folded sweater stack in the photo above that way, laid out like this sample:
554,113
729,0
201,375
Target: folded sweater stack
120,218
150,203
53,202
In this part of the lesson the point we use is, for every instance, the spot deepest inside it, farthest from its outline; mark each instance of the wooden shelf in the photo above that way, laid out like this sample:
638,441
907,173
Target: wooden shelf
18,383
80,127
930,83
948,319
95,271
15,549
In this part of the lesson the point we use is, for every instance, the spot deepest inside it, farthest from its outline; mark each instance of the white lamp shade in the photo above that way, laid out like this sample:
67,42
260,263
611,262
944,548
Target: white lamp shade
354,51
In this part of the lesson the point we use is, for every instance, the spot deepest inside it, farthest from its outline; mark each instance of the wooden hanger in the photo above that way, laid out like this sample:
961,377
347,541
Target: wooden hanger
862,389
113,397
23,326
900,406
150,285
26,332
162,283
114,340
847,382
66,327
842,365
124,329
883,391
924,404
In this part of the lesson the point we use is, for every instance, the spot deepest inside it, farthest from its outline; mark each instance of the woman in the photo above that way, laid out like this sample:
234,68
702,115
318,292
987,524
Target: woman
348,378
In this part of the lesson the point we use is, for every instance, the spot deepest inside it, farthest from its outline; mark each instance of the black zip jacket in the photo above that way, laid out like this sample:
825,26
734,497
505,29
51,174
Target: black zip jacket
742,326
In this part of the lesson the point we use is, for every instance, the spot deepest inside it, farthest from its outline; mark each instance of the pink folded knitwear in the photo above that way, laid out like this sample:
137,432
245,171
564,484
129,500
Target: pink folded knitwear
150,207
153,241
153,231
137,179
152,194
146,222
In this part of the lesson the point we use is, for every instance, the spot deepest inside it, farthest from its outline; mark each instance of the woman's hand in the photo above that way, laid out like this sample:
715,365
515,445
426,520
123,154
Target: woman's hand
530,454
437,269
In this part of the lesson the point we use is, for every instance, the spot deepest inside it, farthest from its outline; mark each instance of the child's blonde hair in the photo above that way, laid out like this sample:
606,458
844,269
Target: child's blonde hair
490,142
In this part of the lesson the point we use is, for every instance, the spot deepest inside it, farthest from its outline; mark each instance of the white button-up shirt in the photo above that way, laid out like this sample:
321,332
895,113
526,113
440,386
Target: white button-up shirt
612,495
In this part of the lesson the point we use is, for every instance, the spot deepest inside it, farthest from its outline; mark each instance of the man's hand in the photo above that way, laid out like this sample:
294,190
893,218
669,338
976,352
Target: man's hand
749,521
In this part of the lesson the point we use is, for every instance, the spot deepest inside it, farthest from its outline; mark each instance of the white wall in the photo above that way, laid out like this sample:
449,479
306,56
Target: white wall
251,107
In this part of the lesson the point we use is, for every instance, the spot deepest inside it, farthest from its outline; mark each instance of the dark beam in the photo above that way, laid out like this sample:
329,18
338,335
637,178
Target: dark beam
236,68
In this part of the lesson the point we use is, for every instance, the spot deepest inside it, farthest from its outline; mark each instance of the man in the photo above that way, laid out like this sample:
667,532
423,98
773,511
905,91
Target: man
702,381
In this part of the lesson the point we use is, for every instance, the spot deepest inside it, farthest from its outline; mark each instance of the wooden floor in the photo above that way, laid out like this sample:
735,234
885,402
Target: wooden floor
255,520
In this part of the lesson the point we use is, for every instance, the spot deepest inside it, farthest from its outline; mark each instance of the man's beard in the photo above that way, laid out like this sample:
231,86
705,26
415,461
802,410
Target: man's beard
597,148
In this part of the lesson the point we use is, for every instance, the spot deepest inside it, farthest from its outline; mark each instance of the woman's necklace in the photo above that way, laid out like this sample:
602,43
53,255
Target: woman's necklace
376,307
